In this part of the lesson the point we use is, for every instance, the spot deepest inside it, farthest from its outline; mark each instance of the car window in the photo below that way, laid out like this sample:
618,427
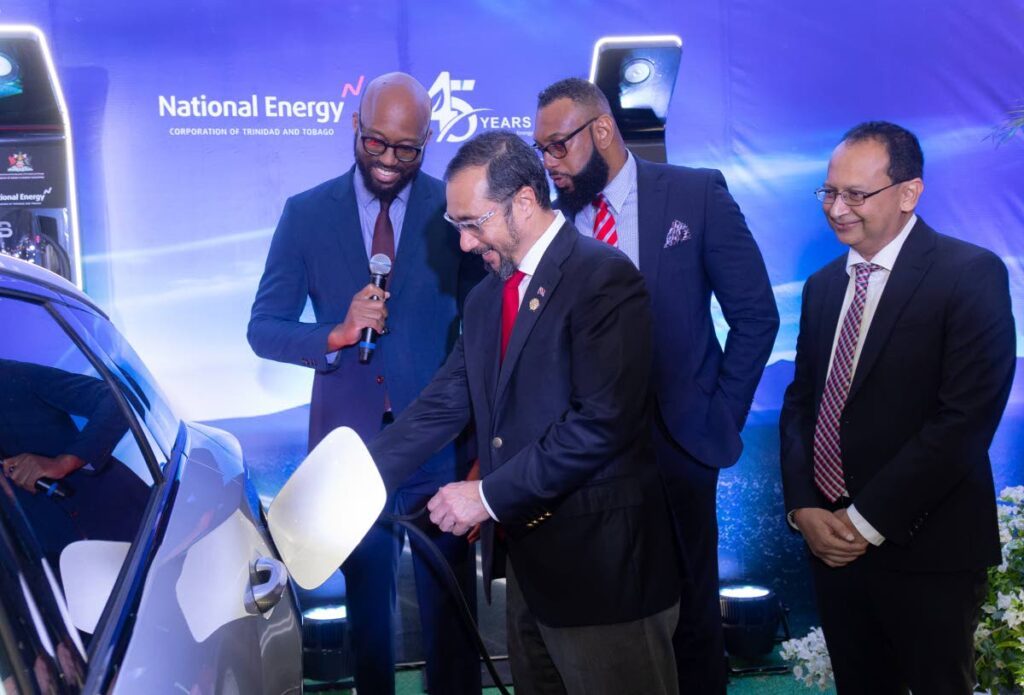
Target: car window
150,403
61,420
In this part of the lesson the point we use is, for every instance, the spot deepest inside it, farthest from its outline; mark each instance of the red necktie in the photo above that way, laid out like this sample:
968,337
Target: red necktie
828,460
509,308
604,222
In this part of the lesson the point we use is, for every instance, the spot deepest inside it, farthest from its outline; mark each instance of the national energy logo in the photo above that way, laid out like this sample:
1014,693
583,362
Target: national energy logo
457,120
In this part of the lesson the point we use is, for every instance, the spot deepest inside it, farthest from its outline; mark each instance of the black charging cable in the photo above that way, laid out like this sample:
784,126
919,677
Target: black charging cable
406,521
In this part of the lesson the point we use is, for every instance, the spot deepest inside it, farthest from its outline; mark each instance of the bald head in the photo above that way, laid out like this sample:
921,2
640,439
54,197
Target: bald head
399,91
394,111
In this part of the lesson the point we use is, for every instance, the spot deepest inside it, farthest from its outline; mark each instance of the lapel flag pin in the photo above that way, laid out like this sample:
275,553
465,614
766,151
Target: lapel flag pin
541,291
534,303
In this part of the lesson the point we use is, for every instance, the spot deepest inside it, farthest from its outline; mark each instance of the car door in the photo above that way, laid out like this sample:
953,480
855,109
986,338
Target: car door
116,537
198,623
58,406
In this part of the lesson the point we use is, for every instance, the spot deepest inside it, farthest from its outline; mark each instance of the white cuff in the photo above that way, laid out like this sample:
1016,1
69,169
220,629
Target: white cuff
861,524
484,500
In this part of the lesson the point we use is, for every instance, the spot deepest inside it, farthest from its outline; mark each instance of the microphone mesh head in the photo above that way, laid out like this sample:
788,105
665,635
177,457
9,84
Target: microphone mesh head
380,264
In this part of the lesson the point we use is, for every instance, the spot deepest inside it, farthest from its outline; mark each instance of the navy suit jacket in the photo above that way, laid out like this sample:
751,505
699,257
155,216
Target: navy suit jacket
563,436
703,392
318,252
931,383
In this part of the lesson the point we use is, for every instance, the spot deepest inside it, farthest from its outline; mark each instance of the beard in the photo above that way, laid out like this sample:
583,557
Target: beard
505,264
365,163
590,181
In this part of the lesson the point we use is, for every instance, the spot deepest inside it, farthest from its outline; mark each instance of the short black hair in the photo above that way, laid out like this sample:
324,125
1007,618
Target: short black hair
510,164
577,91
906,160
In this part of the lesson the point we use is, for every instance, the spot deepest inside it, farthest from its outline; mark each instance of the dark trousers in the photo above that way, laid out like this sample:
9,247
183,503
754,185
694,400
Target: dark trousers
618,659
371,572
890,631
698,641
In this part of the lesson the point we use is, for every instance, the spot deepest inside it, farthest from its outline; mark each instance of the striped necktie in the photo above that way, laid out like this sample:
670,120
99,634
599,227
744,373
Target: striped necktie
828,458
604,222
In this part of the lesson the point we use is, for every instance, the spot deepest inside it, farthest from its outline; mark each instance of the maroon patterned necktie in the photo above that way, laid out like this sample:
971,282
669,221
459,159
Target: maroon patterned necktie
828,458
604,222
383,232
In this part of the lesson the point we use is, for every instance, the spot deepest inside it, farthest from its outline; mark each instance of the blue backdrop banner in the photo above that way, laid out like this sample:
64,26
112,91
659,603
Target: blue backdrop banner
194,122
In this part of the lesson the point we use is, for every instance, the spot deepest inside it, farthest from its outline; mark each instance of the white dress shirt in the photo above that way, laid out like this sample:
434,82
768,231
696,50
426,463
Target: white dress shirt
886,260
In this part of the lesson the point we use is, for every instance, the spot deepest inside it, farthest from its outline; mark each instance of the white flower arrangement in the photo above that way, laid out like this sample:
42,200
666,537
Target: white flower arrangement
809,656
999,638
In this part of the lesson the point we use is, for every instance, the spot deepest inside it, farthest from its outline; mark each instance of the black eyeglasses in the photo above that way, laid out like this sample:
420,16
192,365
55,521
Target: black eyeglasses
557,149
376,147
851,198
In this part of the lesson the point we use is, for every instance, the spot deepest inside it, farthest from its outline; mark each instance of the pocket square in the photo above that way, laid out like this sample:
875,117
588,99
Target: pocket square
677,233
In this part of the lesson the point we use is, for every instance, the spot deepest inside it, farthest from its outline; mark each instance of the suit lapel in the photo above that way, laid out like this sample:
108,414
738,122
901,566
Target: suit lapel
651,200
487,340
548,275
830,318
911,266
348,232
413,232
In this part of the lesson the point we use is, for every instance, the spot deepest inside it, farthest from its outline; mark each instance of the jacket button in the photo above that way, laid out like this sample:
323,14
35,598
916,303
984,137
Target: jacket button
496,442
380,379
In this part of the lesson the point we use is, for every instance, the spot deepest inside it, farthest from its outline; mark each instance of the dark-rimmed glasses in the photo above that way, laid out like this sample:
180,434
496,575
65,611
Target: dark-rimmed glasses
851,198
376,147
557,149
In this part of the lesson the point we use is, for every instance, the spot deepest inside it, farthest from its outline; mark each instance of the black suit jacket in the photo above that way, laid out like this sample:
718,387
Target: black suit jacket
563,437
933,378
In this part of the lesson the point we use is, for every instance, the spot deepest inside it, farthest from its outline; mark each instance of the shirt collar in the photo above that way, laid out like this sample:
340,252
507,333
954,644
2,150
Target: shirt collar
618,188
886,258
532,258
363,195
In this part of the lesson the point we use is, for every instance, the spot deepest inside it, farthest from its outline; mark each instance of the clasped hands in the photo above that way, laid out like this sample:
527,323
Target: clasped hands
831,536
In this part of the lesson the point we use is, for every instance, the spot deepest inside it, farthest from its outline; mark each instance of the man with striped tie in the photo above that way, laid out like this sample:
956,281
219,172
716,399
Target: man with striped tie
904,364
683,230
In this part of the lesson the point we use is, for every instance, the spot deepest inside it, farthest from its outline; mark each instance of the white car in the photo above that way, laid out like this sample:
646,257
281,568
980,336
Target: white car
140,562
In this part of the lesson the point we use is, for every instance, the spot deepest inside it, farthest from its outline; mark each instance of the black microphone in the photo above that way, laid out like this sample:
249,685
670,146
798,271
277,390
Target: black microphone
380,266
54,488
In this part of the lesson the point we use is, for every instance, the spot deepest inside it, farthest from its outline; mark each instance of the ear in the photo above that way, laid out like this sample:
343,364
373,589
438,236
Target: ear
604,131
525,201
910,193
355,121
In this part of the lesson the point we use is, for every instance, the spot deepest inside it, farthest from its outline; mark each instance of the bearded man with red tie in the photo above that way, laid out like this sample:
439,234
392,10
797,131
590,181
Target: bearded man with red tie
553,367
904,364
683,230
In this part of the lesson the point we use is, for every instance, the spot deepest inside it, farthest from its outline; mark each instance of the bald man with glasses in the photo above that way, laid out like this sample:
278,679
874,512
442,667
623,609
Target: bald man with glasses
320,251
